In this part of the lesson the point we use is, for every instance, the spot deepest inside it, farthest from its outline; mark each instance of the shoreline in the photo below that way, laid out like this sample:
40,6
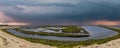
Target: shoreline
110,44
10,41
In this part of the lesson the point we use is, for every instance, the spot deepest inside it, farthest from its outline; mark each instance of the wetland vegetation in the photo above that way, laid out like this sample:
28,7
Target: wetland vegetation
65,31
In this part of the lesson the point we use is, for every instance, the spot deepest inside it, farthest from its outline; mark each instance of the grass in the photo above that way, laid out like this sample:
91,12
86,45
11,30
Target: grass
71,44
73,29
65,32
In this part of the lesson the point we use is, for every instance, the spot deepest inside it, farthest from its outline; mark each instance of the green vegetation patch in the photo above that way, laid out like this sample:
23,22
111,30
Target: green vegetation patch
74,29
69,31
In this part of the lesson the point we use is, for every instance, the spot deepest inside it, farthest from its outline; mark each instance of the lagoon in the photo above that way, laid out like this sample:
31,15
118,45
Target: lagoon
95,33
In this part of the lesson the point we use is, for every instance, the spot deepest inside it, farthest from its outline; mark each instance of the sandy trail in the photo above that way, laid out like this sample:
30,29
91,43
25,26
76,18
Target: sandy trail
10,41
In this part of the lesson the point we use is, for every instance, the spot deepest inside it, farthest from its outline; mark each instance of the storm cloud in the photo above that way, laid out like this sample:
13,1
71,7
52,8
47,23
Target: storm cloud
56,12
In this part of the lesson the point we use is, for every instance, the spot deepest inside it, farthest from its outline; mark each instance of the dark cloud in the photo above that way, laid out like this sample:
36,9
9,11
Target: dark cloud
62,11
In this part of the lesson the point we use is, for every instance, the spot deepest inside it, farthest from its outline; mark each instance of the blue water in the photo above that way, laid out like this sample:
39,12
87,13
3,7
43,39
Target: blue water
95,33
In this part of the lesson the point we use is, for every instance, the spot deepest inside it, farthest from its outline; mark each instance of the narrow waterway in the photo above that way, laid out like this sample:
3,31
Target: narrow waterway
95,33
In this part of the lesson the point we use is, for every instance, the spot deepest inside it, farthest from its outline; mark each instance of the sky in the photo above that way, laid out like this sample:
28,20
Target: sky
60,12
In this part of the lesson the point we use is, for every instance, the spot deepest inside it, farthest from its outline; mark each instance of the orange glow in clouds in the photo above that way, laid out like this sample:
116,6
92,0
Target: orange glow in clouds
4,19
106,23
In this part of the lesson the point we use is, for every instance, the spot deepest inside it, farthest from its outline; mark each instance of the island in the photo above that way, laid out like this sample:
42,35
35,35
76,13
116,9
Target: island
64,31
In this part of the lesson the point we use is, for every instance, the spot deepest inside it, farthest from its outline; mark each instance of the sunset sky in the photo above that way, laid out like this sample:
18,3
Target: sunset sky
60,12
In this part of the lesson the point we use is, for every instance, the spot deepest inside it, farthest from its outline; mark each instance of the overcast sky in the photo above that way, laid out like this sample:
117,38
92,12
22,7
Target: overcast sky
60,12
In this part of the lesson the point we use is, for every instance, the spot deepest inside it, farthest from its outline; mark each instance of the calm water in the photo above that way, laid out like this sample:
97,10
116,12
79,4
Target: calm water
95,33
